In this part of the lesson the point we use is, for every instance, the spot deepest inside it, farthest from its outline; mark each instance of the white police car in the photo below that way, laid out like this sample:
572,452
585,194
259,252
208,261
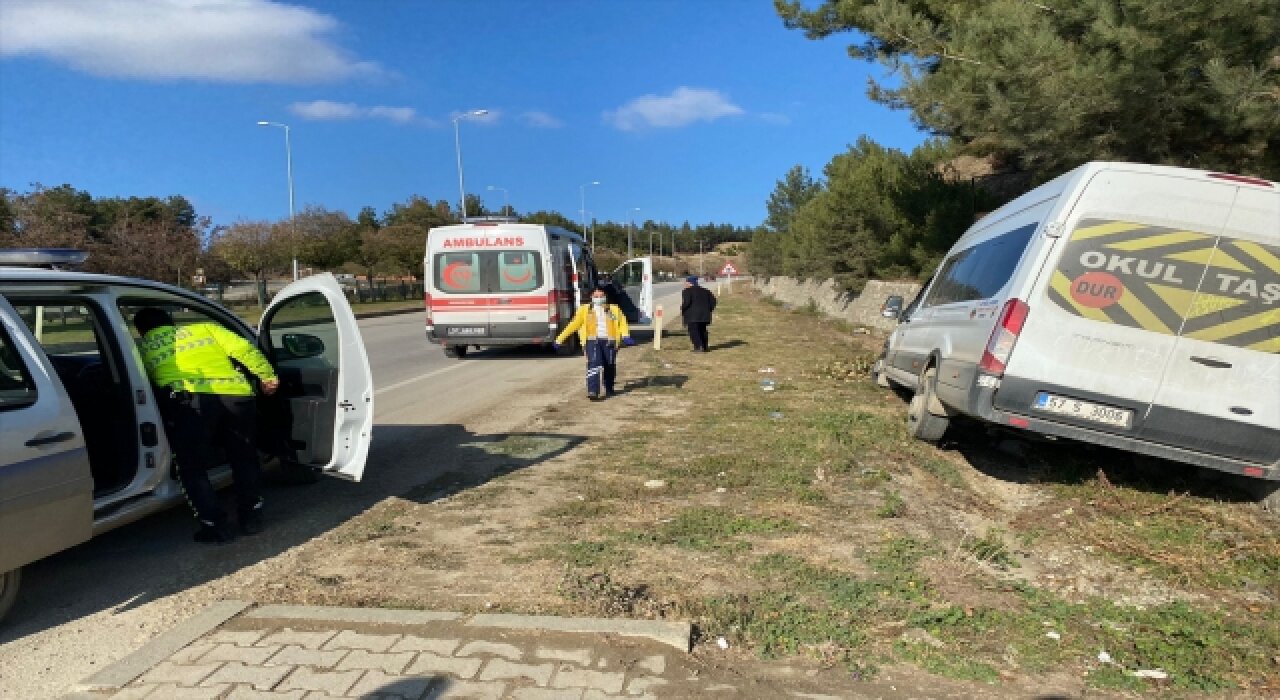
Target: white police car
82,448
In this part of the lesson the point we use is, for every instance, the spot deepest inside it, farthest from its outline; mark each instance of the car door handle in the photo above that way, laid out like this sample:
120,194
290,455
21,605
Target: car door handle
1211,362
49,439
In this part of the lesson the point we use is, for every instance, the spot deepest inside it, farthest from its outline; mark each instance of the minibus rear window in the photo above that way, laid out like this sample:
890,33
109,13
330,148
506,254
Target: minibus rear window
982,271
487,271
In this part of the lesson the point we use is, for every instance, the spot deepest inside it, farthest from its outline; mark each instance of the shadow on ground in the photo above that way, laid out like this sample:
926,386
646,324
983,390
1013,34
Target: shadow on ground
156,557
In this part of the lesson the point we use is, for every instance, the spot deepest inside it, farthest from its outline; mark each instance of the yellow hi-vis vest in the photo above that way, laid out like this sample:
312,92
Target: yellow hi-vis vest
197,358
584,322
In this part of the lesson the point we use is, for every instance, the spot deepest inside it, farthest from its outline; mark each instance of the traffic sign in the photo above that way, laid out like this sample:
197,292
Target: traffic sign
728,269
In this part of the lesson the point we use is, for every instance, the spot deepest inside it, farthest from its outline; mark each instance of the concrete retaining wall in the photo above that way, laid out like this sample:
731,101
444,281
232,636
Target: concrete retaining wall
863,309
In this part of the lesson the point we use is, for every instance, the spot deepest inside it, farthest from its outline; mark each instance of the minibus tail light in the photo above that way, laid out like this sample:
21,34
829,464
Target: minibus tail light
1003,337
426,301
553,308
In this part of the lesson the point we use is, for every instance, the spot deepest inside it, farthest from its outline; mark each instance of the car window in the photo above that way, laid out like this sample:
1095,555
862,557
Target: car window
183,313
304,334
16,386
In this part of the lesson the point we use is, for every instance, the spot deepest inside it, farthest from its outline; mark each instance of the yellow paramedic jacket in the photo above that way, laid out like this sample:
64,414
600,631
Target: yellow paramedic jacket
197,358
584,322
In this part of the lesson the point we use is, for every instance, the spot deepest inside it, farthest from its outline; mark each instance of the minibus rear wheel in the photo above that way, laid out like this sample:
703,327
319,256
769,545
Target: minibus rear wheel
9,583
921,424
455,351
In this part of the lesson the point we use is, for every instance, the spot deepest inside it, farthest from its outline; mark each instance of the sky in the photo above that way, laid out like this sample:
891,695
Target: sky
687,110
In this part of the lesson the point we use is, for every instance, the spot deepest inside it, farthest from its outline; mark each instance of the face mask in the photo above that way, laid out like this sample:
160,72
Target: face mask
598,301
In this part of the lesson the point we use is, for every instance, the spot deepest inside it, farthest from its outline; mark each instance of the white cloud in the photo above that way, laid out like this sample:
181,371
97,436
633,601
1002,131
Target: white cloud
684,106
231,41
540,120
327,110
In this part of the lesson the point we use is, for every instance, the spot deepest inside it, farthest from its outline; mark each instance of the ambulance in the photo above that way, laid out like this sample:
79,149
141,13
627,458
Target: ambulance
1126,305
495,282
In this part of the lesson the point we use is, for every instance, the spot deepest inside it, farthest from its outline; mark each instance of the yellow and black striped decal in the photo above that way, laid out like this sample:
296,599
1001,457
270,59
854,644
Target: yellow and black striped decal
1172,281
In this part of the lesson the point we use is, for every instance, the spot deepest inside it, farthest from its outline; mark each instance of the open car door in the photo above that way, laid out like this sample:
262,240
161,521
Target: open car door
634,280
46,488
326,389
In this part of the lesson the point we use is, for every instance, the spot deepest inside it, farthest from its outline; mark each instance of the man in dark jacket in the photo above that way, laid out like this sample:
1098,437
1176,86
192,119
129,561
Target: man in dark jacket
696,305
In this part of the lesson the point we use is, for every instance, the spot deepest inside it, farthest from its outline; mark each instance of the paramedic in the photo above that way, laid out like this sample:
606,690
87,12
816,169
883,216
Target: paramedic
207,402
601,327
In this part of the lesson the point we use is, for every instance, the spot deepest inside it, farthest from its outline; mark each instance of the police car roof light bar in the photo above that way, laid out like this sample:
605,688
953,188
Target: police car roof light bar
52,258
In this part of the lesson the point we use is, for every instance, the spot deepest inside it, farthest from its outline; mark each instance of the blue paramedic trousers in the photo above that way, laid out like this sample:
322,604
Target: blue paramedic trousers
602,359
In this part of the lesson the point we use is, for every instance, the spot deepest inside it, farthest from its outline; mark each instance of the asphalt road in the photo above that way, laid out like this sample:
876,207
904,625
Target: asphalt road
86,607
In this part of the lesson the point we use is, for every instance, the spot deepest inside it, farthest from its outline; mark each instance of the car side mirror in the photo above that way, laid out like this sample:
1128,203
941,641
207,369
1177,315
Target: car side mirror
892,307
302,345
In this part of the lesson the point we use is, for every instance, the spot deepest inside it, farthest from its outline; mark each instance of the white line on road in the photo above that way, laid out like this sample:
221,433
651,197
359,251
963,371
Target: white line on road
416,379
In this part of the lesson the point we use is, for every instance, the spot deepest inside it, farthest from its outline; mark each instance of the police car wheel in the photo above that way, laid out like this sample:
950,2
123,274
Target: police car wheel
9,582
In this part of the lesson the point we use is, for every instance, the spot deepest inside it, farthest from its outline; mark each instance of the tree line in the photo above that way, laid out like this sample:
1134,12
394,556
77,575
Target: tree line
1030,90
164,239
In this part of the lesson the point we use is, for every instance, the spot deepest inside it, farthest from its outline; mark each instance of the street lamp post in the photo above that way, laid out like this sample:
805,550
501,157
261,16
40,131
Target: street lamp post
582,191
457,149
631,227
288,160
504,197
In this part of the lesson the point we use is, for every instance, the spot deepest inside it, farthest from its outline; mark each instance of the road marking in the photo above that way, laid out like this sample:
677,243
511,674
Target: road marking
407,382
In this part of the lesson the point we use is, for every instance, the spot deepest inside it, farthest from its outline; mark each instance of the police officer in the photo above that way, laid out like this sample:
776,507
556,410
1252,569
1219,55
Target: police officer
207,401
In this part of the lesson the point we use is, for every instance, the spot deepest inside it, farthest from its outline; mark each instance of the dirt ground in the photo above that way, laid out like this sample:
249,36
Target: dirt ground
768,492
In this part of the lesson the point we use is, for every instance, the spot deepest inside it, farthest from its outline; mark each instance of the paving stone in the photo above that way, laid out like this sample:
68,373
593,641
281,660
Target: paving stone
409,687
501,670
179,674
192,652
643,684
593,694
306,640
135,692
582,657
468,690
346,639
244,692
260,677
170,691
656,664
607,681
242,638
428,663
246,655
364,660
411,642
298,656
506,651
546,694
331,682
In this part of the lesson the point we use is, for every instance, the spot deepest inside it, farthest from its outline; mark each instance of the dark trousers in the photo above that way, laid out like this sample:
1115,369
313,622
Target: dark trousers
602,363
698,335
197,424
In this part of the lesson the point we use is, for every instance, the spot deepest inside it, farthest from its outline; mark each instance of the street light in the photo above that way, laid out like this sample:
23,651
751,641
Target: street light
632,227
457,149
504,197
582,190
288,160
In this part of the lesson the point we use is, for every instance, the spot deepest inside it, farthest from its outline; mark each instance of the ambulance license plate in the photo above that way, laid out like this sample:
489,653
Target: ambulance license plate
1084,410
466,330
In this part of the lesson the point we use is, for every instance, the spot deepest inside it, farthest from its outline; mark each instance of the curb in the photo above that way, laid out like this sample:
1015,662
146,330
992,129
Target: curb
124,671
390,312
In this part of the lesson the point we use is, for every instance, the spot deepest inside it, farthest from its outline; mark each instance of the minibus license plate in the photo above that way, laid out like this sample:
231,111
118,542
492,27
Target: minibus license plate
1084,410
466,330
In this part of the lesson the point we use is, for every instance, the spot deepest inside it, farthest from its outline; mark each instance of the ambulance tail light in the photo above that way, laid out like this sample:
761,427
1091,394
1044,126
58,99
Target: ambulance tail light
1003,337
553,309
426,301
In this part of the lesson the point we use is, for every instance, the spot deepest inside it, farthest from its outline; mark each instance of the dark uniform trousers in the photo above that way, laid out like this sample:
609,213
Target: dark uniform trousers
698,335
197,424
602,364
